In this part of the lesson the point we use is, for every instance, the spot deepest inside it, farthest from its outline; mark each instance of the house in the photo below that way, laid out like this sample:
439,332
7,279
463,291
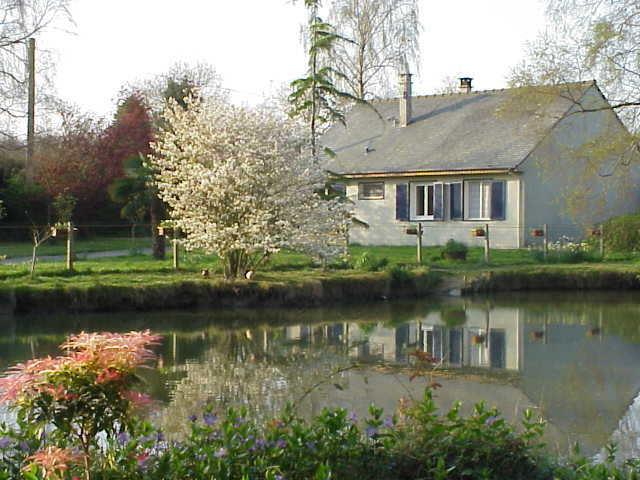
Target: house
512,159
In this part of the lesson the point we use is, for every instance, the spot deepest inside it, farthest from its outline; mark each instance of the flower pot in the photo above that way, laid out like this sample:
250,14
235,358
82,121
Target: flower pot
537,335
537,232
477,232
595,232
477,339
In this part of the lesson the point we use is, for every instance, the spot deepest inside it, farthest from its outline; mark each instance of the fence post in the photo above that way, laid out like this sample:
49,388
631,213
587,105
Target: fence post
419,244
69,245
486,243
602,241
545,242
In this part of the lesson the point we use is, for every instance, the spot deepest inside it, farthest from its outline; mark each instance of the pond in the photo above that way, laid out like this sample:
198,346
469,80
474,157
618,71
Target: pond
573,358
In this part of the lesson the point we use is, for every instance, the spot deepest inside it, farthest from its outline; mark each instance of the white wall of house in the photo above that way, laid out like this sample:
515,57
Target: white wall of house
384,229
559,165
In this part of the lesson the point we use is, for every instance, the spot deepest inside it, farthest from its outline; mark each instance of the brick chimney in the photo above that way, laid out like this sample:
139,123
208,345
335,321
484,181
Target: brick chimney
405,99
465,84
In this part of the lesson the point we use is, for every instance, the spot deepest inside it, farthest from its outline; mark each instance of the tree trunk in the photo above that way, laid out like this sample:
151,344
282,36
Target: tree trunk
157,241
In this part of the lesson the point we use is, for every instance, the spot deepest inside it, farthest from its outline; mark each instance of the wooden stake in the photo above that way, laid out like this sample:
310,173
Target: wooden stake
176,257
70,246
419,244
602,241
545,242
486,243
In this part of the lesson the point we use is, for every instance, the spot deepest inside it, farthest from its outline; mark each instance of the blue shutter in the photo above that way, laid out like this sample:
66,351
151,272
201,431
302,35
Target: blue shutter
402,201
498,200
455,201
438,203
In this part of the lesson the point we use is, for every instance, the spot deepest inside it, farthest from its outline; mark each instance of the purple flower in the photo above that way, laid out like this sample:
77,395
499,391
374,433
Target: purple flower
122,438
490,420
258,444
371,431
239,421
281,443
147,438
278,477
311,445
192,417
23,446
5,442
209,419
221,452
352,417
387,422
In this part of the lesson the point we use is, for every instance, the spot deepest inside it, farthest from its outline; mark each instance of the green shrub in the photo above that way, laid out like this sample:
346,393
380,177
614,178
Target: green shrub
481,446
454,247
370,263
622,233
400,274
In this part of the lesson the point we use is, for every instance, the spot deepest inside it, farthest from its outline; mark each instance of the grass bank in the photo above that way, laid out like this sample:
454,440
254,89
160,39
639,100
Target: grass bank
137,282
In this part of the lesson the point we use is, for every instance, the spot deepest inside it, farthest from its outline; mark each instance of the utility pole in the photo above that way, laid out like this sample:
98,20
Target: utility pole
31,107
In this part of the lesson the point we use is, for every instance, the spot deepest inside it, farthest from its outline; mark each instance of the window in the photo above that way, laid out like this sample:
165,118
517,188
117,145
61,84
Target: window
468,200
427,201
371,191
484,200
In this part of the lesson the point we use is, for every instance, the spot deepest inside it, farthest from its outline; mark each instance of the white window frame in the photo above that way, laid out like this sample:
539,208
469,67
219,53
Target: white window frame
413,200
485,199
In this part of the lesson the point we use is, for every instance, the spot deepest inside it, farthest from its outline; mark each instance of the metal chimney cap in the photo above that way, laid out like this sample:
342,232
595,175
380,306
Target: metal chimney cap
465,82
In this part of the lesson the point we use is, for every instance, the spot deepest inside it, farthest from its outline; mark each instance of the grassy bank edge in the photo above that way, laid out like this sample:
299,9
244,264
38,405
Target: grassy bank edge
328,289
217,293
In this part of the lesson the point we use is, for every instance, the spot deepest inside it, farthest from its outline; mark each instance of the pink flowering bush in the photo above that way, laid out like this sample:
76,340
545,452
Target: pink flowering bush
68,401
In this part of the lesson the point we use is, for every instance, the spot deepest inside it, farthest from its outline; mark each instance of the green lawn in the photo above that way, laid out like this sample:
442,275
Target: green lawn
284,267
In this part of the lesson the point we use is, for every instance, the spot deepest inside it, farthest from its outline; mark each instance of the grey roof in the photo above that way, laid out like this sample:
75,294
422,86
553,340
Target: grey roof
469,131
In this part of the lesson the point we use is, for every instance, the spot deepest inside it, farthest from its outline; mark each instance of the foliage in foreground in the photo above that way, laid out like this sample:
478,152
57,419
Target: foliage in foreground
74,420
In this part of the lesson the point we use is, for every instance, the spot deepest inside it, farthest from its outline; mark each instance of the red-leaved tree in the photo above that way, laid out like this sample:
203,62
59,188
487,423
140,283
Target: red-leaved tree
129,134
68,163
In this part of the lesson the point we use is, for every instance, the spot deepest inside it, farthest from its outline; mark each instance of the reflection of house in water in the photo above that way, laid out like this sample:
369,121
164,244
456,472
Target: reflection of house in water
332,333
486,339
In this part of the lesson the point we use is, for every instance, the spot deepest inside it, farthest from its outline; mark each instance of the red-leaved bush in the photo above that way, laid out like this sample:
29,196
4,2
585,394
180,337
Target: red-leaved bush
87,391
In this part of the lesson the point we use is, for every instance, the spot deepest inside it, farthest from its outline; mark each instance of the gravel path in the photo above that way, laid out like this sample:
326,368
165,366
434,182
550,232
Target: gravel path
82,255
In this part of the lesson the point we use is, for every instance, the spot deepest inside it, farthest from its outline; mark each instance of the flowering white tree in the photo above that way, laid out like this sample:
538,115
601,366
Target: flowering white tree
238,183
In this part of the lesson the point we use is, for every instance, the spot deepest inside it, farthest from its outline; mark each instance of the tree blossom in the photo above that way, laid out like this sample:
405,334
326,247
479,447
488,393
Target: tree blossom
239,184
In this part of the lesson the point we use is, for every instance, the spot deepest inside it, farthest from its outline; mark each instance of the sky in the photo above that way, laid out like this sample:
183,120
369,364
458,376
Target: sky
254,45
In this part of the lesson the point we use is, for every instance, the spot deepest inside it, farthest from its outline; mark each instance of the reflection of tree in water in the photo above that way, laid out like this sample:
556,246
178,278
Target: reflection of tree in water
259,369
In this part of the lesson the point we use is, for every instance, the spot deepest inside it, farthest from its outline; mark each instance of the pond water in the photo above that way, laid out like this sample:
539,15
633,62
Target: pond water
573,358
